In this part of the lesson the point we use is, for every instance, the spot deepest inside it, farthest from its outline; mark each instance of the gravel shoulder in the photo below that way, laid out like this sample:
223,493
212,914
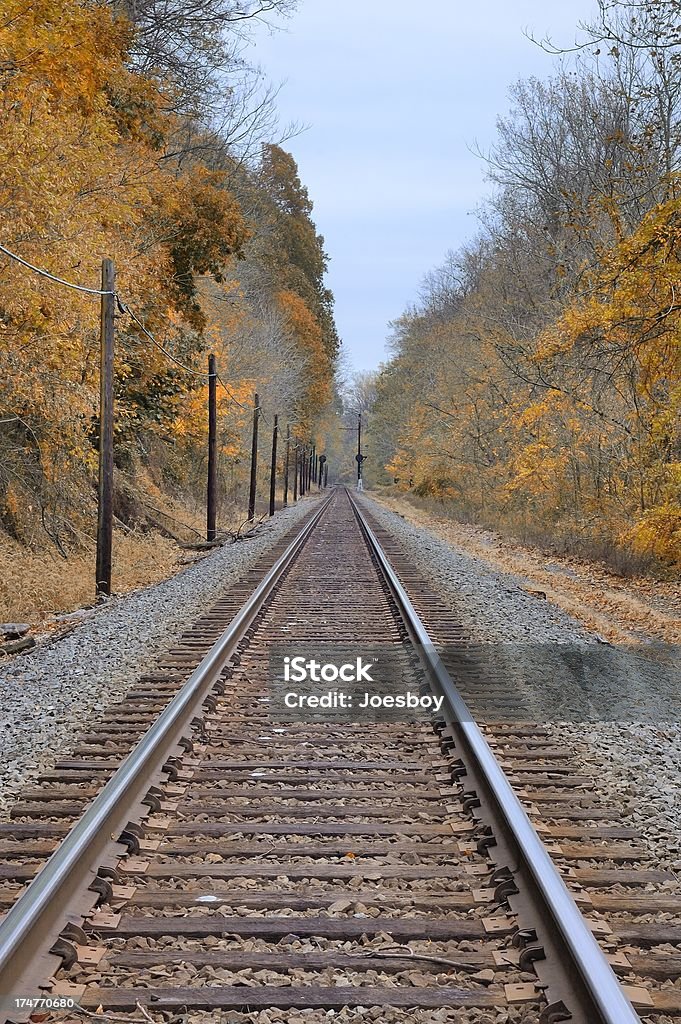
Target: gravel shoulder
620,610
49,693
635,757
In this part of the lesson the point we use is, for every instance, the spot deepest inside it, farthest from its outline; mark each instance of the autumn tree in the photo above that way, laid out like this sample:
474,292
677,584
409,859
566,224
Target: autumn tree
91,169
536,382
295,253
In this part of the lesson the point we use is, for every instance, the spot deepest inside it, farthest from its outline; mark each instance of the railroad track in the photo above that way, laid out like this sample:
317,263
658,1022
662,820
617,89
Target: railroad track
392,870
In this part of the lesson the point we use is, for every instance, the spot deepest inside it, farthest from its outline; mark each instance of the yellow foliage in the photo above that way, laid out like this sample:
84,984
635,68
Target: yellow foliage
317,373
658,532
88,172
579,424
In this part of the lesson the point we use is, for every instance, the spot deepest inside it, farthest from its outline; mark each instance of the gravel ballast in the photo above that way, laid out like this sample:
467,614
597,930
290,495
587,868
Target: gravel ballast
49,693
635,761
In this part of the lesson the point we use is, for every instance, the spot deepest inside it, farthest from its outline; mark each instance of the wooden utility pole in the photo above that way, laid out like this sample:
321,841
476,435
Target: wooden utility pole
106,414
212,448
254,458
273,466
288,451
295,469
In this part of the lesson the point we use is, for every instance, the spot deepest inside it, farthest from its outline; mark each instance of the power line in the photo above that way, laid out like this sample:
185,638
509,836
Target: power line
231,393
169,355
197,373
51,277
261,411
124,308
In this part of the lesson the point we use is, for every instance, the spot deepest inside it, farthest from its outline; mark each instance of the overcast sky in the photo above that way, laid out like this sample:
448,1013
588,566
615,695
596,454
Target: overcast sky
395,94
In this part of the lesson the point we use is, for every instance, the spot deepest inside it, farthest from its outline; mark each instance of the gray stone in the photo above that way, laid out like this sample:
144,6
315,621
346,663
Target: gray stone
13,630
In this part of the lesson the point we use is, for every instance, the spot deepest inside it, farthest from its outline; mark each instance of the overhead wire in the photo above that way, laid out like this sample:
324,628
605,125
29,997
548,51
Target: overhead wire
125,308
52,277
231,394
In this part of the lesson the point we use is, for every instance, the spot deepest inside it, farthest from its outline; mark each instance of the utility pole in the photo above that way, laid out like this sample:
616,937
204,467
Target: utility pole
288,450
273,466
254,458
212,448
106,414
295,469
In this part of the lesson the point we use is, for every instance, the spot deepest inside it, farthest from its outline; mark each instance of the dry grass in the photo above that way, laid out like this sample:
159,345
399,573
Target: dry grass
622,610
151,526
35,583
563,538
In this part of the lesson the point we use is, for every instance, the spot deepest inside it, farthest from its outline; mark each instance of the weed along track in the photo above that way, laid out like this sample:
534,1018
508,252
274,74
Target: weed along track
245,863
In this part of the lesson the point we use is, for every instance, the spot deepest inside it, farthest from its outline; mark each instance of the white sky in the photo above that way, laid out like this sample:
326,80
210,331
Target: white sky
395,94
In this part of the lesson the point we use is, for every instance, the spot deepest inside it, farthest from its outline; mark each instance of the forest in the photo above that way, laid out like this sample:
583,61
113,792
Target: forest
535,385
140,131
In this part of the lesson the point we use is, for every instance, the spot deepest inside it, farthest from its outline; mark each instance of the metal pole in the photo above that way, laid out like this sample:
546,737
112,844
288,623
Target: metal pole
288,449
212,448
106,414
326,474
359,452
273,466
303,459
254,458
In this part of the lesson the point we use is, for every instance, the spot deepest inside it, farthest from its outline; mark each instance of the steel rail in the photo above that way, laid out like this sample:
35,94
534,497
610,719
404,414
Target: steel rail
608,998
38,917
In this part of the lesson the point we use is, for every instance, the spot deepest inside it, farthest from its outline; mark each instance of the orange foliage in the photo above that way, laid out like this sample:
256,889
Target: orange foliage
317,372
